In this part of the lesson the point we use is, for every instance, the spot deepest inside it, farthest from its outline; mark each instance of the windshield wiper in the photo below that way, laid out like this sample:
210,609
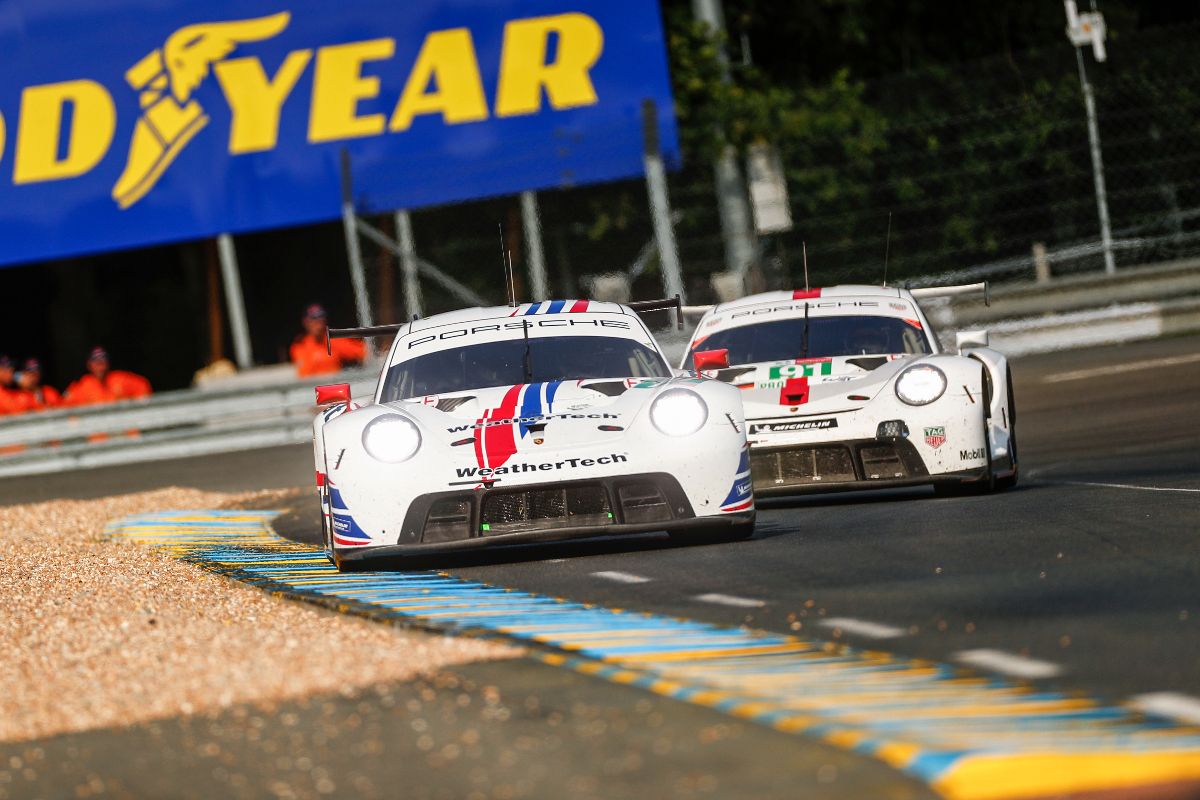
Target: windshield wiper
528,359
804,340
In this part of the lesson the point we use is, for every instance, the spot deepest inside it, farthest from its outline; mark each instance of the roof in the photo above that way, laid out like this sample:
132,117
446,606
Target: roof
846,290
545,307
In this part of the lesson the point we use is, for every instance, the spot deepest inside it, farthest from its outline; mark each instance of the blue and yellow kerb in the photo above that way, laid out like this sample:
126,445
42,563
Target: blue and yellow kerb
966,735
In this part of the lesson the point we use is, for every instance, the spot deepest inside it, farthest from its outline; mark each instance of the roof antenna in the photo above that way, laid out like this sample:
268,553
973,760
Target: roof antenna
804,247
887,248
506,263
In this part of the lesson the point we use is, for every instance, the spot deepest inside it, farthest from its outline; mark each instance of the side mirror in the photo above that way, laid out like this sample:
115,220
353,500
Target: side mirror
710,359
333,393
965,340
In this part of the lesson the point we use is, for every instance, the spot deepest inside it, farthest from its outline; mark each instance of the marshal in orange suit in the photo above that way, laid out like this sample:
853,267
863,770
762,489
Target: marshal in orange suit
309,353
103,385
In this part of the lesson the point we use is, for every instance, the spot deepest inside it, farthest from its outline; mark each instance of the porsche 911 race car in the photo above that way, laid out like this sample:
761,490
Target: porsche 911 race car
847,388
531,423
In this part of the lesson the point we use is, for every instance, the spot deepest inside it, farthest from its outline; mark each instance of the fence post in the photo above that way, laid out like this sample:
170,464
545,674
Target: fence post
741,248
358,279
233,299
660,204
1041,264
1089,102
1082,30
408,265
531,221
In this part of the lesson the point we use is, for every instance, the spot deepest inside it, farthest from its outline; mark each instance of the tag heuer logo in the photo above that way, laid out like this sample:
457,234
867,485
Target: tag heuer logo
935,437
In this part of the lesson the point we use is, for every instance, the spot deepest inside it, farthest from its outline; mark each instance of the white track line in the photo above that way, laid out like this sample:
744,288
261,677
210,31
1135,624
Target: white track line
1168,704
1008,663
620,577
729,600
862,627
1129,486
1080,374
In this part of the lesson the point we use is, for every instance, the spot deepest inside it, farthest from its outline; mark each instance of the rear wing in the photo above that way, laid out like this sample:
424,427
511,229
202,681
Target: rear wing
644,306
953,291
359,333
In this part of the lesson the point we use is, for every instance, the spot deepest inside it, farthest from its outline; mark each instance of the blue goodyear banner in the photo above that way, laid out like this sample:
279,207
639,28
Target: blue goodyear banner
131,122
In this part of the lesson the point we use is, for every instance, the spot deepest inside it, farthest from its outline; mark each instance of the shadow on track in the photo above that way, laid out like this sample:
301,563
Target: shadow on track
525,553
298,521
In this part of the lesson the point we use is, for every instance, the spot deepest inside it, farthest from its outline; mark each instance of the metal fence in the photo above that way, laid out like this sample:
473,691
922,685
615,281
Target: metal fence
981,162
975,163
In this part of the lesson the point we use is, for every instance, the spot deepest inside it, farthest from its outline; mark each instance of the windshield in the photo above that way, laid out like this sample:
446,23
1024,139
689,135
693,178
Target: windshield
827,336
558,358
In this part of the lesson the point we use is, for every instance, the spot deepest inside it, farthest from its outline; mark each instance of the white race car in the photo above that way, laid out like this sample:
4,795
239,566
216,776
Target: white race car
531,423
847,388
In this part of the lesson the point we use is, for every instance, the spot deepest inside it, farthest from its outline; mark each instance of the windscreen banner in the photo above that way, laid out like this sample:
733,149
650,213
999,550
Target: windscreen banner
132,122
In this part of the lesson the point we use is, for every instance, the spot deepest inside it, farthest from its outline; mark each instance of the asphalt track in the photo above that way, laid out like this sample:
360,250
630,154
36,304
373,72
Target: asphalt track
1084,577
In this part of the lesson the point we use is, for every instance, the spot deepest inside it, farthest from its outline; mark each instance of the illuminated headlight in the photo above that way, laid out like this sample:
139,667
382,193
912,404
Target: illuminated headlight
391,438
920,385
678,412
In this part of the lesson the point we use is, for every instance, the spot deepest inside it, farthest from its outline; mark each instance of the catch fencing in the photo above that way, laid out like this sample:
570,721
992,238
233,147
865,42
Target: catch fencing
976,164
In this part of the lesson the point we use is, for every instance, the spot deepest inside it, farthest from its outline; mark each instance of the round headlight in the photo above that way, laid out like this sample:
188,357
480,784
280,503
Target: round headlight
678,412
391,438
921,385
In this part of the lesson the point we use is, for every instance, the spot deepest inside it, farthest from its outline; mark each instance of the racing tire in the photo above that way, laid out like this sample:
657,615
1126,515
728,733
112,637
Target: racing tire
980,487
348,566
326,531
733,533
986,485
1010,481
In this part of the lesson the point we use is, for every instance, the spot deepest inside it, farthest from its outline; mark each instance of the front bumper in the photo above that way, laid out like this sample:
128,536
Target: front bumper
846,466
479,518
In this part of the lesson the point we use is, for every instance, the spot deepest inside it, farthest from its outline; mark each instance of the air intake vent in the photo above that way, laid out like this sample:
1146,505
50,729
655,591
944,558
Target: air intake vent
643,502
882,462
802,466
544,509
449,520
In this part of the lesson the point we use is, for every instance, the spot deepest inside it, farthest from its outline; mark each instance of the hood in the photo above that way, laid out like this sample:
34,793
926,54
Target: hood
558,413
813,385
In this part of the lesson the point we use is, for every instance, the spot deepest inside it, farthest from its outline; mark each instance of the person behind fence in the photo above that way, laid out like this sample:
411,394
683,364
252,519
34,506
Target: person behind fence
8,388
309,353
104,385
32,394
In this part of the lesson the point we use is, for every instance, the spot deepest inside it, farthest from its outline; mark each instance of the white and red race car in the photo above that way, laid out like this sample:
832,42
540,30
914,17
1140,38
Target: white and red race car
847,388
530,423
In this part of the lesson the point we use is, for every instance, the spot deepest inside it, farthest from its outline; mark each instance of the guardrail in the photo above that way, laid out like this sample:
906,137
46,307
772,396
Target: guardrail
1160,282
1080,310
169,425
1075,311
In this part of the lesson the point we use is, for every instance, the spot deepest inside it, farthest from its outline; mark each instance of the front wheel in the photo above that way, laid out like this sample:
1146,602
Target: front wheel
1009,481
985,485
326,528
